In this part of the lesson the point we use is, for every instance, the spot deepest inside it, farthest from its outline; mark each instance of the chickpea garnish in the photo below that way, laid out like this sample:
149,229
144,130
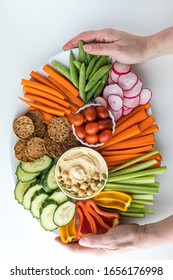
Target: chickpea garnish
90,192
96,176
68,182
64,174
75,188
81,193
84,185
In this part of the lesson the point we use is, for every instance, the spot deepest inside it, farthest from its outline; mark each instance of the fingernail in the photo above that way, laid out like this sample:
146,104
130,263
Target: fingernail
87,47
83,241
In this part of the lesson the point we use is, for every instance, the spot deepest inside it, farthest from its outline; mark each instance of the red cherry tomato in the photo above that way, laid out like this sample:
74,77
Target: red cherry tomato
80,131
105,136
90,114
76,119
105,124
91,128
91,139
102,112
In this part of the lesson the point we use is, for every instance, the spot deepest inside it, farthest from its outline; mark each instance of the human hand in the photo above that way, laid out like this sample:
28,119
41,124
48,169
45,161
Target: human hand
122,46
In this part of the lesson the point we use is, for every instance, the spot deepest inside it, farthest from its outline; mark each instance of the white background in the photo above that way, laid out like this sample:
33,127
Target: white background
30,33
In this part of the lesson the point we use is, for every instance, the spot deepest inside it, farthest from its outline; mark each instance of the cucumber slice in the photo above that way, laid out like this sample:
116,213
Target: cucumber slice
64,213
36,202
25,176
28,195
20,189
37,165
59,197
49,182
46,215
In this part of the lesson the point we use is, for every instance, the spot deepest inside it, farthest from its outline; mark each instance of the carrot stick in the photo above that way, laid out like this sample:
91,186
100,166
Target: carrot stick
48,103
44,108
68,85
133,143
117,158
146,123
74,107
158,157
144,149
158,164
126,134
151,129
134,111
46,95
42,87
68,94
135,119
38,77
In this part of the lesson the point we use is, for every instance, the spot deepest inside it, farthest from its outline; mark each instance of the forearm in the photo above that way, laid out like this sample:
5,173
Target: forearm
160,43
158,233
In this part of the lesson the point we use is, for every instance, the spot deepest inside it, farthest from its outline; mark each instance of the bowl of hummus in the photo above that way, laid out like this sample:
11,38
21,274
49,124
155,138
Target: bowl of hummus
81,173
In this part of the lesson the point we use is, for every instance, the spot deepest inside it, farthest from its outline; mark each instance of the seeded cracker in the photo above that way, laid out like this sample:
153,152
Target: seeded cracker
53,148
71,142
41,131
36,117
20,151
58,129
23,127
35,148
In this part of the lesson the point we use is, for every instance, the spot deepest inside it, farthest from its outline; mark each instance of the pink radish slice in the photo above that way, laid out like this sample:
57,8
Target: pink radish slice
131,102
120,68
113,76
117,115
100,100
115,102
112,89
145,96
135,91
127,81
110,82
126,111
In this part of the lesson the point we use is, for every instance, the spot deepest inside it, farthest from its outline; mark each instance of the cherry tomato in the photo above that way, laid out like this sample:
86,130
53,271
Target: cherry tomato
91,128
91,139
80,131
102,112
90,114
105,124
105,136
76,119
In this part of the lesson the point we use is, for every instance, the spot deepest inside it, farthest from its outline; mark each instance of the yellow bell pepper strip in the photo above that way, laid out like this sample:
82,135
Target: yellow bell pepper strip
113,199
68,232
105,220
86,224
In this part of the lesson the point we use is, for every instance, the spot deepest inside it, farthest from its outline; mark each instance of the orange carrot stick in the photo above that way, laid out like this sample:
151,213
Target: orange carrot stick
144,149
126,134
146,123
117,158
42,87
46,95
136,118
151,129
48,103
74,107
44,108
68,85
38,77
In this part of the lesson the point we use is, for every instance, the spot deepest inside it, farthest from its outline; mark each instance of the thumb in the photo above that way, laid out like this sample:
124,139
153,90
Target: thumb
100,48
93,241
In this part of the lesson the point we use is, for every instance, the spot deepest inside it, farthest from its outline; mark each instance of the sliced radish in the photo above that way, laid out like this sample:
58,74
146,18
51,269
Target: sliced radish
126,111
145,96
115,102
131,102
112,89
113,76
117,115
134,91
127,81
100,100
120,68
110,81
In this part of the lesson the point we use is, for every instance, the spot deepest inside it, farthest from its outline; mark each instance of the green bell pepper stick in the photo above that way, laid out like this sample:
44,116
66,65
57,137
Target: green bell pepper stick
102,85
101,61
77,64
97,76
73,70
81,52
91,92
82,82
62,69
90,66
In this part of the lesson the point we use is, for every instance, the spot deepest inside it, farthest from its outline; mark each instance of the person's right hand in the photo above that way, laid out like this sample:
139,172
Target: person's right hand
124,47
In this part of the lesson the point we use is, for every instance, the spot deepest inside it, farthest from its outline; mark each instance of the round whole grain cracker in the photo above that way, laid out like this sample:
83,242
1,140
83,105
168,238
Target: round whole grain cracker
58,129
71,142
23,127
37,118
20,151
53,148
35,148
41,131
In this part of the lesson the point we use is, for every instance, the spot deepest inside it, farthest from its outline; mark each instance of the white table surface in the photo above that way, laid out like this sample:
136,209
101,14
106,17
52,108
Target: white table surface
30,33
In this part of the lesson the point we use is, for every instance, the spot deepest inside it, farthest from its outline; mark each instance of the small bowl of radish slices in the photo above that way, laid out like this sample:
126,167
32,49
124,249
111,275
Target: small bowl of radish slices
124,91
93,125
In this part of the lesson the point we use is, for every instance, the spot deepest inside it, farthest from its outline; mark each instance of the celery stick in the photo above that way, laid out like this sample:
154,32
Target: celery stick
135,168
141,180
137,205
143,201
132,188
132,214
134,161
153,171
144,210
143,196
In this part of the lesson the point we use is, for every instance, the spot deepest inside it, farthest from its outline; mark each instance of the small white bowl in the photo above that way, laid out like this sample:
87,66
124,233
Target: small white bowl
84,142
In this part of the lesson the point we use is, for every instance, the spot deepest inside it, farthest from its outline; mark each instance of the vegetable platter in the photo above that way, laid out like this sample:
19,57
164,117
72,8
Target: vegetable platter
72,101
